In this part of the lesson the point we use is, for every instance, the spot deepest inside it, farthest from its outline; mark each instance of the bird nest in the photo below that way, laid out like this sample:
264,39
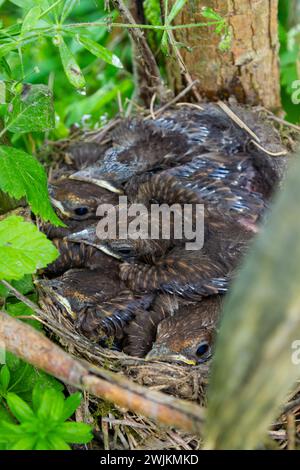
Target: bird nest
119,428
187,382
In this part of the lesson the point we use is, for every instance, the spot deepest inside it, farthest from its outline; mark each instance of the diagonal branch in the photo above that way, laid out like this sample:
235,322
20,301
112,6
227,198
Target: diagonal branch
35,348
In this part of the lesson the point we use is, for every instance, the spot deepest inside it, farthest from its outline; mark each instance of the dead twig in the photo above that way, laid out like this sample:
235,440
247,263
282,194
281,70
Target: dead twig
146,58
173,101
243,125
35,348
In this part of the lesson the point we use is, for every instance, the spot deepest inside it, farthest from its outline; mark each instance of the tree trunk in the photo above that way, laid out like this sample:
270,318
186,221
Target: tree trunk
250,68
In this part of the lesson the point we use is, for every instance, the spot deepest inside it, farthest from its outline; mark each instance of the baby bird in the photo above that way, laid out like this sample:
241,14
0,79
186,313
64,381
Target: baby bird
79,200
137,146
96,301
174,139
174,331
77,203
188,336
172,268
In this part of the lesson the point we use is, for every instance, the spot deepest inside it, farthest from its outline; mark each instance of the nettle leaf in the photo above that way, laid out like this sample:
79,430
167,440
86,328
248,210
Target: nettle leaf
71,68
100,51
31,110
19,310
21,175
23,249
30,19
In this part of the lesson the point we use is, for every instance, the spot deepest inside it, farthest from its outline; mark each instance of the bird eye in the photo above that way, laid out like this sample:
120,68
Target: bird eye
125,251
81,211
202,349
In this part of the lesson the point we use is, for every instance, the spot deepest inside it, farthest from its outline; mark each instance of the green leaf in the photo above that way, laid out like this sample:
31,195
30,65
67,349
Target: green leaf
7,47
31,110
22,175
44,382
25,443
57,443
52,405
100,51
4,65
19,408
9,432
4,378
79,433
18,309
30,19
70,405
27,4
24,285
5,415
211,14
67,9
175,10
23,249
42,444
71,68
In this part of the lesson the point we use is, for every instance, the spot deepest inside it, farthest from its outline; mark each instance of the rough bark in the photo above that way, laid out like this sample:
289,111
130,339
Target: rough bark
250,69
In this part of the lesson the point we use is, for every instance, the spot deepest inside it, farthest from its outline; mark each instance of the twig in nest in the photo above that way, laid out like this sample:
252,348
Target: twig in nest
243,125
273,154
191,105
237,120
173,101
35,348
148,62
152,106
280,120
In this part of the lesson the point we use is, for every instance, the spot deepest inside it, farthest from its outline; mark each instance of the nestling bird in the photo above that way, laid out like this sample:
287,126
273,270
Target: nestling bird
174,331
76,203
79,200
187,337
96,301
175,138
138,146
173,269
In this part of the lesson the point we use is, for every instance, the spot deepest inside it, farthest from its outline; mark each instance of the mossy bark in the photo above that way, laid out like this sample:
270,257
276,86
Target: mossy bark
249,70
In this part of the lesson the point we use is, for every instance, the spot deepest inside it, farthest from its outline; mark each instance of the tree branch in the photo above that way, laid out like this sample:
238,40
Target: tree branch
35,348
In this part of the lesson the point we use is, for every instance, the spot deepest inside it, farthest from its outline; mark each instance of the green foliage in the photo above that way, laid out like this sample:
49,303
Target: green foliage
30,110
289,35
22,175
40,425
100,51
221,28
23,249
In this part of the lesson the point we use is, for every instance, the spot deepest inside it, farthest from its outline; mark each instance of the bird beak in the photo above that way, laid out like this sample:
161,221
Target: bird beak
163,355
89,237
48,287
86,235
58,205
96,176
